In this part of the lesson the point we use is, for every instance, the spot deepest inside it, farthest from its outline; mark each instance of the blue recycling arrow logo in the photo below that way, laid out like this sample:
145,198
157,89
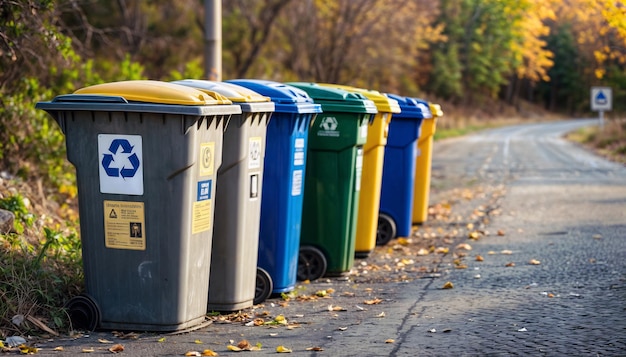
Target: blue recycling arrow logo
125,153
601,98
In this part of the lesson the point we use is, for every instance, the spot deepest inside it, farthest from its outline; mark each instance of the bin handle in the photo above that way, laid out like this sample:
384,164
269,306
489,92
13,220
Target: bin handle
89,98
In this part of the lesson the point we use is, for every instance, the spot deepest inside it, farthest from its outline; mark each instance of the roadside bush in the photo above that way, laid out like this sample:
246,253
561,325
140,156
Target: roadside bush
40,268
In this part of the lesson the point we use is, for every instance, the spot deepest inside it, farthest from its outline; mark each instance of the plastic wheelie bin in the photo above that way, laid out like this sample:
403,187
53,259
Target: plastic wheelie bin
373,158
146,155
424,162
333,181
396,201
283,184
232,282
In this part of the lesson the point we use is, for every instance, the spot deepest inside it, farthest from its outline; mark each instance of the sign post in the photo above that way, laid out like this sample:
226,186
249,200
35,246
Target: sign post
601,101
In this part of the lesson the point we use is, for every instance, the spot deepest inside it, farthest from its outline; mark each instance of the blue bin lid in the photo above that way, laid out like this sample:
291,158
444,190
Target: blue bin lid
412,108
287,99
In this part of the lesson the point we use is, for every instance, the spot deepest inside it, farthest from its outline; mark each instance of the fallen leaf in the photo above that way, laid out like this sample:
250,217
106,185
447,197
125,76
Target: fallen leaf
403,241
447,330
342,328
209,353
244,344
335,308
506,252
321,293
278,320
116,348
491,252
390,340
448,285
597,236
102,340
500,232
197,342
464,246
283,349
382,314
534,262
314,349
192,353
432,330
479,258
461,266
422,252
550,295
59,348
233,348
510,264
375,301
523,329
88,350
28,350
162,339
442,250
474,235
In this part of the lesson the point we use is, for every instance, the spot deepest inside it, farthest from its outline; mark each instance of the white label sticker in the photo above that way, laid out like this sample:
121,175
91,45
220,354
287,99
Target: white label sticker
359,168
255,153
298,158
120,162
296,184
299,144
364,131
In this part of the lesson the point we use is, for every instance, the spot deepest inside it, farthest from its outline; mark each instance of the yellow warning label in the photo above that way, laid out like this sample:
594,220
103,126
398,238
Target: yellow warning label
207,158
201,220
124,225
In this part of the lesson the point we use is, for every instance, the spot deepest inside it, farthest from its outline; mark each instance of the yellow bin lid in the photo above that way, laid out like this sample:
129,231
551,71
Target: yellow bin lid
383,103
236,93
435,109
150,91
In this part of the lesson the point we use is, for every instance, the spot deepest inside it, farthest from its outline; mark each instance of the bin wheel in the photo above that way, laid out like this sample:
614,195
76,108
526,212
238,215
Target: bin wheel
311,263
386,230
84,312
264,286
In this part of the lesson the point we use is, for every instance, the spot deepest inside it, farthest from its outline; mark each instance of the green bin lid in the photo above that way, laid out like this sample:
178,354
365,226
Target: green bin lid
337,100
383,103
249,100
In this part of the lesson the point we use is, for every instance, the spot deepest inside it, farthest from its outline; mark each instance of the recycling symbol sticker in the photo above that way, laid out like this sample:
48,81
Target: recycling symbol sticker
120,164
328,127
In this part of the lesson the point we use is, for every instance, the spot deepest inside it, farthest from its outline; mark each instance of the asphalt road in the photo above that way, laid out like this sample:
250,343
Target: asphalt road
549,222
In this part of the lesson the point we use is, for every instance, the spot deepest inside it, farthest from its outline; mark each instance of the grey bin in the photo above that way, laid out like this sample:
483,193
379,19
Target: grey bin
234,256
146,155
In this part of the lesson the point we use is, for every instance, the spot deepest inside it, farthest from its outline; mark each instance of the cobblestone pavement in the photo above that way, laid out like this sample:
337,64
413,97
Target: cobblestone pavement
526,230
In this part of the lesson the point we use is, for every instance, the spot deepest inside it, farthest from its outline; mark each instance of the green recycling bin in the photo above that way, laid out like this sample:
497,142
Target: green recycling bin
146,155
373,157
333,181
232,284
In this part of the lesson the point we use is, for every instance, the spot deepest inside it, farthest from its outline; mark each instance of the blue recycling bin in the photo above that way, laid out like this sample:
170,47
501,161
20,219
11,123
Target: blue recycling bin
396,198
283,184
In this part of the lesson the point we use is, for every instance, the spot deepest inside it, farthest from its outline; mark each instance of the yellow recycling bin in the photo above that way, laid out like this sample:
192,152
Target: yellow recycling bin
422,167
372,171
